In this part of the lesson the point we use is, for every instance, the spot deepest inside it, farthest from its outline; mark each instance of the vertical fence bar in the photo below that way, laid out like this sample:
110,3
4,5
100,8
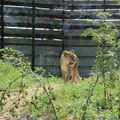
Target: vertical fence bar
63,20
104,5
33,34
2,24
72,3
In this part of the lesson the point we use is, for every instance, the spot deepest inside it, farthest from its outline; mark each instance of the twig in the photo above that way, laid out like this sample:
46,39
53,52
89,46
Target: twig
88,98
5,91
44,87
51,102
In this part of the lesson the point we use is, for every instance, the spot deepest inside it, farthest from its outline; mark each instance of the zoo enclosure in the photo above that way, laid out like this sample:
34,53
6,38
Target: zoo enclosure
41,29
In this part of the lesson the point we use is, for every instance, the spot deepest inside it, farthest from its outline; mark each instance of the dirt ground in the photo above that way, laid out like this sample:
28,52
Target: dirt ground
15,97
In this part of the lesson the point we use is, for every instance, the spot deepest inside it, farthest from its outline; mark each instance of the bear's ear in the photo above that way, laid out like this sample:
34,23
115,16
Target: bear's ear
72,51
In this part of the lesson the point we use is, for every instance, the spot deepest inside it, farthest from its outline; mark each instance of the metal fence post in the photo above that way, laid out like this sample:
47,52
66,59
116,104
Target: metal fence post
2,24
104,5
33,34
63,20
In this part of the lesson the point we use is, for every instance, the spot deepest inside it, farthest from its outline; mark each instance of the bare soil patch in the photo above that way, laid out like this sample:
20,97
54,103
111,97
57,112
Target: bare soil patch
16,98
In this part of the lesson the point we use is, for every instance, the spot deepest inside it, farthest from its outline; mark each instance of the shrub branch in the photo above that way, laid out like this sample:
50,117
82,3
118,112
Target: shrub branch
91,89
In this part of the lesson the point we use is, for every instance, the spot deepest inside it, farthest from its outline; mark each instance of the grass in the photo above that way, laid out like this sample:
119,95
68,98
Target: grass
68,100
9,73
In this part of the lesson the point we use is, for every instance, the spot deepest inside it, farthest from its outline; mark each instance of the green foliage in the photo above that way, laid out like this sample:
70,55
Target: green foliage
105,33
107,62
15,74
13,65
118,1
69,100
40,105
66,102
7,74
15,58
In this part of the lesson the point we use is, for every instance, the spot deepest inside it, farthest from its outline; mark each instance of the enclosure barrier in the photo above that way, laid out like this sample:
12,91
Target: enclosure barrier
42,29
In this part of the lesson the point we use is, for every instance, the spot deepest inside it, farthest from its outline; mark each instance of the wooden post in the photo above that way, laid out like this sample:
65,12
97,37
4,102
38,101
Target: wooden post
33,34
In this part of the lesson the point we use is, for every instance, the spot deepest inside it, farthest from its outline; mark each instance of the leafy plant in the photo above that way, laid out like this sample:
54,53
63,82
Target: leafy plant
106,63
118,1
15,74
15,58
68,102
